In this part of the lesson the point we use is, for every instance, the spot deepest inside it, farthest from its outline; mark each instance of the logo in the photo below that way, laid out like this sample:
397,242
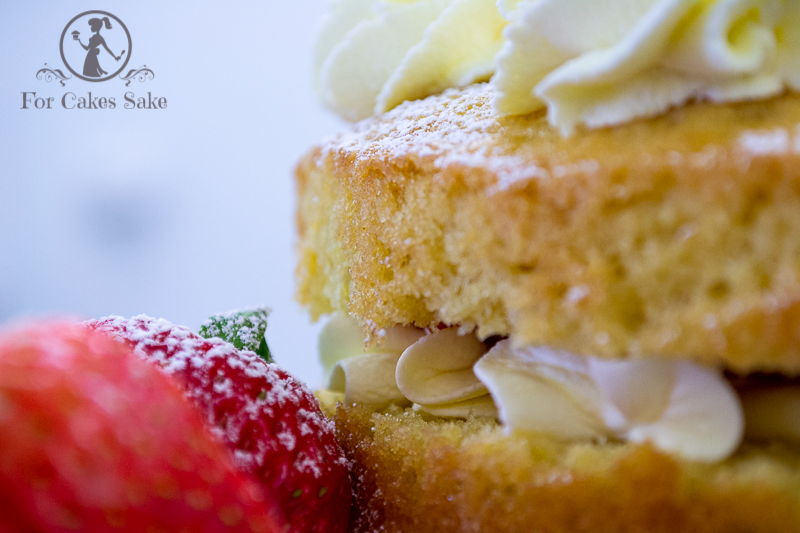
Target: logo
96,46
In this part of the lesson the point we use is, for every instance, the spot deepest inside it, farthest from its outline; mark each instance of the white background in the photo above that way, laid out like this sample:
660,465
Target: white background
175,213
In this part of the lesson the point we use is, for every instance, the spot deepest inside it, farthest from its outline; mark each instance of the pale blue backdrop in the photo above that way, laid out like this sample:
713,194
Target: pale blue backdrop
177,213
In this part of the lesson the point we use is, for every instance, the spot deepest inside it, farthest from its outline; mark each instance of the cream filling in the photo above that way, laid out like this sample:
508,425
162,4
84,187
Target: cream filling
678,406
365,374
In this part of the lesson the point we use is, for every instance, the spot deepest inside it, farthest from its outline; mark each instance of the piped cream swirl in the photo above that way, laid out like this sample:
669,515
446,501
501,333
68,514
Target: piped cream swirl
594,64
606,63
372,55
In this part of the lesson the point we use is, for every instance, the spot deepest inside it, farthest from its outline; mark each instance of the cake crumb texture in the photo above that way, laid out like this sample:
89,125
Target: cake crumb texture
674,236
420,474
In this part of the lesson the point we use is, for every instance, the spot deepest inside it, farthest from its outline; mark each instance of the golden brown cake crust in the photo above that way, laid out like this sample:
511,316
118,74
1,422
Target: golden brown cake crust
420,476
674,236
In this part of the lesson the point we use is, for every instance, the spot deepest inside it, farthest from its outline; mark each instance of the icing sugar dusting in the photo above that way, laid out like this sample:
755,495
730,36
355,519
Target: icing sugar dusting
765,143
444,131
243,326
414,129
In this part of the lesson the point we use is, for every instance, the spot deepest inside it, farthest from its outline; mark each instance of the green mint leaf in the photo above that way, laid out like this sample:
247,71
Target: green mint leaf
244,329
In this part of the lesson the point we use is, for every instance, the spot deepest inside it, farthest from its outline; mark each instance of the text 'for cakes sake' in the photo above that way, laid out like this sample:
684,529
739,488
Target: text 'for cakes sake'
71,100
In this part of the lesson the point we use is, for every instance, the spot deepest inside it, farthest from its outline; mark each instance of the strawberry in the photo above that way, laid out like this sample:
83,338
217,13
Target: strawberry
269,420
93,439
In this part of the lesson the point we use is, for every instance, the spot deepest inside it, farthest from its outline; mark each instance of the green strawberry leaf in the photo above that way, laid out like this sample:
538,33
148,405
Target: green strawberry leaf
244,329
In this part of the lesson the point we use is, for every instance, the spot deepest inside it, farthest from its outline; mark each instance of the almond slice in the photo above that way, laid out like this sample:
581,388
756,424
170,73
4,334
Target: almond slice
437,369
482,406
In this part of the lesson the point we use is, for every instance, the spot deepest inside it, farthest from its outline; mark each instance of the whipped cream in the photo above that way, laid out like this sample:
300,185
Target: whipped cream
372,55
364,373
678,406
605,63
589,63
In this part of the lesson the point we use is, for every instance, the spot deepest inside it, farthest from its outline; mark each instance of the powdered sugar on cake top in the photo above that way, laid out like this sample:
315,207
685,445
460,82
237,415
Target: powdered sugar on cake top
453,129
438,126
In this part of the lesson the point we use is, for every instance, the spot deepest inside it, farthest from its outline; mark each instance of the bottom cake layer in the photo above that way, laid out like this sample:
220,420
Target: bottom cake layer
416,474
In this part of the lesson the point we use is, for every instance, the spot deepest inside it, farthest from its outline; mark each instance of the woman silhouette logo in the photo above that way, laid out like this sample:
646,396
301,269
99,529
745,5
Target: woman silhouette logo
86,60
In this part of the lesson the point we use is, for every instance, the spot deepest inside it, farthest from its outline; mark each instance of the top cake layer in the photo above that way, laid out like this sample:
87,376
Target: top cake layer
677,236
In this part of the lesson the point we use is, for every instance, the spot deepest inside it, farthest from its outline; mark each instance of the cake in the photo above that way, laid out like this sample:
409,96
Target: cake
580,305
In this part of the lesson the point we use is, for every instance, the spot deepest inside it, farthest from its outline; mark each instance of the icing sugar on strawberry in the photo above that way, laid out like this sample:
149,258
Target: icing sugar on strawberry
269,420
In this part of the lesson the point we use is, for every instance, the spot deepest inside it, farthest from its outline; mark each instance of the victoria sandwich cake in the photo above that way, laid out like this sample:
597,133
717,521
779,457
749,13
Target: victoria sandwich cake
560,251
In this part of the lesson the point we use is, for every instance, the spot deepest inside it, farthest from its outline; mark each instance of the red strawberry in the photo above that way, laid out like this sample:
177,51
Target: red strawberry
270,421
93,439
